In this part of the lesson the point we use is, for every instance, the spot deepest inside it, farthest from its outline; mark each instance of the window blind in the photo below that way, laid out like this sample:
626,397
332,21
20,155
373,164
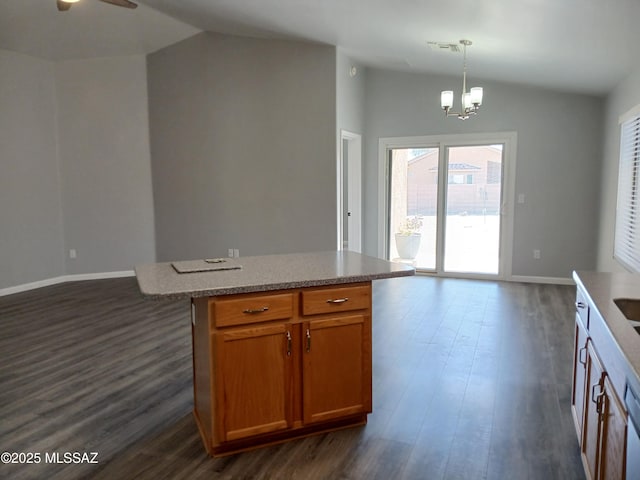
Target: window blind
627,231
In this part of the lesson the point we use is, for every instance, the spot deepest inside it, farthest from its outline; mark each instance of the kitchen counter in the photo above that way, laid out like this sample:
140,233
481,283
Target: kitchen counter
265,273
601,288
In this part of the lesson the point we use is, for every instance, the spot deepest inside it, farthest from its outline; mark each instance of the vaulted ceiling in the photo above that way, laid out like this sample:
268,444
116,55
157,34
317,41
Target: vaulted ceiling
576,45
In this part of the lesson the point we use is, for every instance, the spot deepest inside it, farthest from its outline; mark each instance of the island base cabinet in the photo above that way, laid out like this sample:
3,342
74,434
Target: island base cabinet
265,372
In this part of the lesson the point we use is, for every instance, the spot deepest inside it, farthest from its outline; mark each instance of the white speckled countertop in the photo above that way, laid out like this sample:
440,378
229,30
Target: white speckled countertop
602,288
268,272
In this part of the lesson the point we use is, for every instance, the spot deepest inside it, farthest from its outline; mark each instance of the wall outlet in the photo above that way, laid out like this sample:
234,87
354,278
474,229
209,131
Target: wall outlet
230,253
236,252
536,254
72,253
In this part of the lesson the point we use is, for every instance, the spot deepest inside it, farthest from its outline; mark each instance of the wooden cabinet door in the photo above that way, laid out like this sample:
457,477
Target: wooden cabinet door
579,375
254,380
336,367
591,428
614,435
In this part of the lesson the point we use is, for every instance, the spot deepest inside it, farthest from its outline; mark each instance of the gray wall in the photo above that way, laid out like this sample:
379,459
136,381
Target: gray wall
74,167
558,159
350,92
243,146
31,235
623,98
105,163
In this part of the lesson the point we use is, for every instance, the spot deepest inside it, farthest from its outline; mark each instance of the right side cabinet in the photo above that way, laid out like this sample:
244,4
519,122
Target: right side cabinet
336,365
599,415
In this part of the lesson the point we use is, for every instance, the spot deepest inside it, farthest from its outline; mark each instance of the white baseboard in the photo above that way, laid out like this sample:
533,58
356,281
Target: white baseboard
64,278
533,279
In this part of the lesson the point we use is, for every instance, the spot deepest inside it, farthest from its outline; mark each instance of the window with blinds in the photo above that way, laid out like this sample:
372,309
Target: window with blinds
627,232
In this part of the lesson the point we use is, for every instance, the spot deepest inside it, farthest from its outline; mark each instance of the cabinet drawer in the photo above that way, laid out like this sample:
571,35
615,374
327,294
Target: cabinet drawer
252,309
341,299
582,308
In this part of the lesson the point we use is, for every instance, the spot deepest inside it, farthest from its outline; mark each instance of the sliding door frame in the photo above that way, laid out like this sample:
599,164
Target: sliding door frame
508,139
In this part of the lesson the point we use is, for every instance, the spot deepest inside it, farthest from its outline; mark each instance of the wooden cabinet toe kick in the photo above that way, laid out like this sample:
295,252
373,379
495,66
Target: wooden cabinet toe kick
275,438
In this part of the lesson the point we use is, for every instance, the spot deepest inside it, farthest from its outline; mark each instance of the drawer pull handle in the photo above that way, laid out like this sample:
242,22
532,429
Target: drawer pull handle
580,305
338,300
253,311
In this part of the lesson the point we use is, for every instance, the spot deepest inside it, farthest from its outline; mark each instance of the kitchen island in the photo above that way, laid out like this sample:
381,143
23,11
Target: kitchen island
281,343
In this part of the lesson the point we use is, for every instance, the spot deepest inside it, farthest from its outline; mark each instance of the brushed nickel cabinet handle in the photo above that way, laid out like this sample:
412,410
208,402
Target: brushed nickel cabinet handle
288,334
252,311
600,402
338,300
596,398
583,362
308,341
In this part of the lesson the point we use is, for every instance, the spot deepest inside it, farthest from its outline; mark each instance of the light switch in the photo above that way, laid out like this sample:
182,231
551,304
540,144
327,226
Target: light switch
521,198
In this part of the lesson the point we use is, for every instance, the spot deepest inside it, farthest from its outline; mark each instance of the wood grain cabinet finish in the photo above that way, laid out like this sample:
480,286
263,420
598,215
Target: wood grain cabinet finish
614,435
599,415
254,388
276,366
592,426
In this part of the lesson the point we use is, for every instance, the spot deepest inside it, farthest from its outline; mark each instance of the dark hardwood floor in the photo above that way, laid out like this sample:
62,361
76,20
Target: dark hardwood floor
472,380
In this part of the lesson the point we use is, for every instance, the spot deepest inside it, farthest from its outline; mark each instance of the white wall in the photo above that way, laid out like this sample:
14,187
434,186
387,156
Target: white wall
105,163
624,97
558,159
31,232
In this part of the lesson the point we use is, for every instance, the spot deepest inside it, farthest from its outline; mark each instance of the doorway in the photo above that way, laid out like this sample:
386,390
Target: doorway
446,204
350,192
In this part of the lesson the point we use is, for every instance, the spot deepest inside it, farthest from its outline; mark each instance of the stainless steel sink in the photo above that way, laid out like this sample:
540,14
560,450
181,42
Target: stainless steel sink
630,308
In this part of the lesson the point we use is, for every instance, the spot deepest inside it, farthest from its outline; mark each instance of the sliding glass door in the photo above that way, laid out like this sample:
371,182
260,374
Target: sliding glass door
445,207
473,204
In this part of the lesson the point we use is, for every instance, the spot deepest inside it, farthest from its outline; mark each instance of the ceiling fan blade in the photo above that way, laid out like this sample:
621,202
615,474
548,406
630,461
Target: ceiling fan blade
122,3
63,6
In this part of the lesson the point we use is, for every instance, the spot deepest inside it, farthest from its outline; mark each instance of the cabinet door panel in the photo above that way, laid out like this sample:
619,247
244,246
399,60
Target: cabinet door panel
254,382
336,367
614,436
579,373
591,428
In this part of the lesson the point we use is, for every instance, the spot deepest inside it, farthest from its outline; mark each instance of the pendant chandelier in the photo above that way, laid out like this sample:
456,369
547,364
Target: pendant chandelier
470,100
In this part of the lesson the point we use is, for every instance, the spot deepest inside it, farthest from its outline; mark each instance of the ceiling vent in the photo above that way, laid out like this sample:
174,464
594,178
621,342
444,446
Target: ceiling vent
445,47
